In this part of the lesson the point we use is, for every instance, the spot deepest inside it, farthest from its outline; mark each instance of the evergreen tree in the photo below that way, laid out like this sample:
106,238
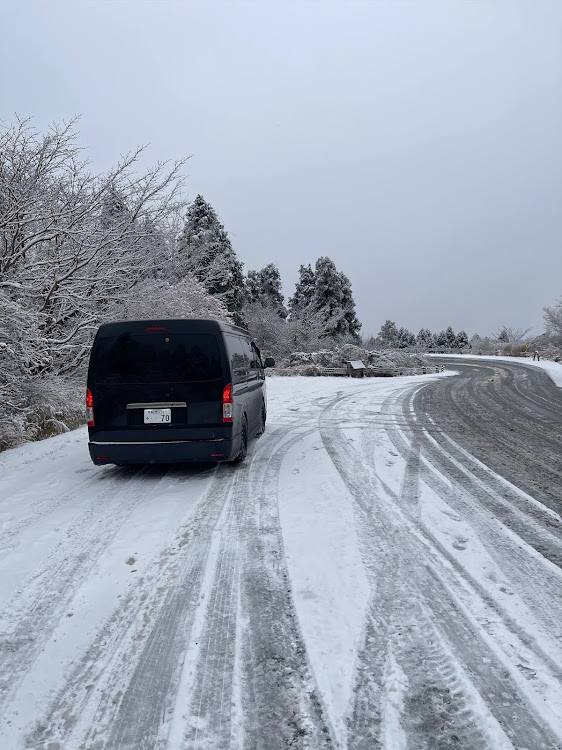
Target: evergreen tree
264,287
461,340
333,299
450,337
405,338
323,298
205,250
304,291
388,333
425,339
441,339
352,325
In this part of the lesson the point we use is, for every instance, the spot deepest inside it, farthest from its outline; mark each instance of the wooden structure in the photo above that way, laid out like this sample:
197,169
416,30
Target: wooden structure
356,368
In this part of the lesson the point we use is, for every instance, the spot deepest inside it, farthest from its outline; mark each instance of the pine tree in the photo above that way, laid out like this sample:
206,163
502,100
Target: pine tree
405,338
205,250
323,298
304,291
461,340
450,337
264,287
352,324
425,339
388,333
441,339
333,299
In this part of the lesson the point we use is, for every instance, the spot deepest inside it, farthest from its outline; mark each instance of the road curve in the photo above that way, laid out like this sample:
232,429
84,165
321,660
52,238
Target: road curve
507,415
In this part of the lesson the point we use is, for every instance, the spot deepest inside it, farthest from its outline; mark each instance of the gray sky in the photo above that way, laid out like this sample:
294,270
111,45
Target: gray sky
417,144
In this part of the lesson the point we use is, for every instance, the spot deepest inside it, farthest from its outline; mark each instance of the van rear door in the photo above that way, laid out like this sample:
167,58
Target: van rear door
180,374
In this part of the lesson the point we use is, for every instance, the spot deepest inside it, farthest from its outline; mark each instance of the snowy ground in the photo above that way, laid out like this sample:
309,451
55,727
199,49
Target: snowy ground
356,584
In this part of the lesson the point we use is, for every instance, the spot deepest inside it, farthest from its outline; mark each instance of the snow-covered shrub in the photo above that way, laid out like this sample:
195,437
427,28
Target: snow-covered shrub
41,408
387,360
158,298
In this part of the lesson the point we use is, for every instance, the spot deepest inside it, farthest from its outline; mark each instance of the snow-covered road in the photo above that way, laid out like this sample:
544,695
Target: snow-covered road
364,581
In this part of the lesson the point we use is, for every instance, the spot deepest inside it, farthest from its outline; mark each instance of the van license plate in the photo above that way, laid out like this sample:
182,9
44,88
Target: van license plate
157,416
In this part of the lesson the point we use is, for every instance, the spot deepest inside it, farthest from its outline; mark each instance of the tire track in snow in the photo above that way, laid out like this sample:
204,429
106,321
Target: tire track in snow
522,444
389,534
33,613
283,706
114,662
541,529
138,674
485,507
143,713
287,705
39,509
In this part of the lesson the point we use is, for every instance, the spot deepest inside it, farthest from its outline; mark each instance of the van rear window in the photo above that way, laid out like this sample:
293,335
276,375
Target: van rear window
156,358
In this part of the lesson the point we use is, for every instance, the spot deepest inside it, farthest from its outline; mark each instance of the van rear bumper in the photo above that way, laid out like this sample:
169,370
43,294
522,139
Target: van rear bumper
176,451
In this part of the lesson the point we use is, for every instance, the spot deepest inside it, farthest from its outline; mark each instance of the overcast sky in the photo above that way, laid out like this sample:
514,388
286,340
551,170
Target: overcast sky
417,144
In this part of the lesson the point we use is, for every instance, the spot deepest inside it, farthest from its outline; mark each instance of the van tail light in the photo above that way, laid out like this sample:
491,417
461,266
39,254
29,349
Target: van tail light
90,407
227,403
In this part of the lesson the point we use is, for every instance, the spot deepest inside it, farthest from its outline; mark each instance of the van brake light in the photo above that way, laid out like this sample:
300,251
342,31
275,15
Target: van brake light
227,403
156,328
90,407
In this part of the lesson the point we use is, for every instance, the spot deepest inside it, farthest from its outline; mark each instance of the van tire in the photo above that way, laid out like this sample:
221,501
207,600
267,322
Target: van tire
261,428
244,444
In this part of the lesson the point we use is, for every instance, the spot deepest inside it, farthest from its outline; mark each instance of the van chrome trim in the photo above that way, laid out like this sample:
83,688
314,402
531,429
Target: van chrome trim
158,442
159,405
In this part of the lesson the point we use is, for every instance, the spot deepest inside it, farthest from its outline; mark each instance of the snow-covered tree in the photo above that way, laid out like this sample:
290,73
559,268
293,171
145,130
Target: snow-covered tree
325,294
553,321
333,299
405,338
76,249
205,250
161,298
503,337
388,334
441,339
475,341
304,291
264,287
461,340
425,339
450,337
70,240
513,336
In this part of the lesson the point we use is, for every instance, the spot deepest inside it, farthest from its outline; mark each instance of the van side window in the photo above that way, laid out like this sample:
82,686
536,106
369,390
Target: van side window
238,361
252,372
256,362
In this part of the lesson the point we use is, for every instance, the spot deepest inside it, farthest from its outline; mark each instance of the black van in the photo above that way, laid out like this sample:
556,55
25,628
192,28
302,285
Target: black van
164,391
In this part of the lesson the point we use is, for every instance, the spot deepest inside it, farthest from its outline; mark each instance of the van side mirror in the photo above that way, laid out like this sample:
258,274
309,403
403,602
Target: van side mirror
269,362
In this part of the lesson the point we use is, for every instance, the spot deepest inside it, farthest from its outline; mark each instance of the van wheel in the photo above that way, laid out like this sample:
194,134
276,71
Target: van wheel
244,445
261,428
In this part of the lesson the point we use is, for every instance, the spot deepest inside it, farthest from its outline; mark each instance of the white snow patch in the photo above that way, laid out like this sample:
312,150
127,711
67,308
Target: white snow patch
330,588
